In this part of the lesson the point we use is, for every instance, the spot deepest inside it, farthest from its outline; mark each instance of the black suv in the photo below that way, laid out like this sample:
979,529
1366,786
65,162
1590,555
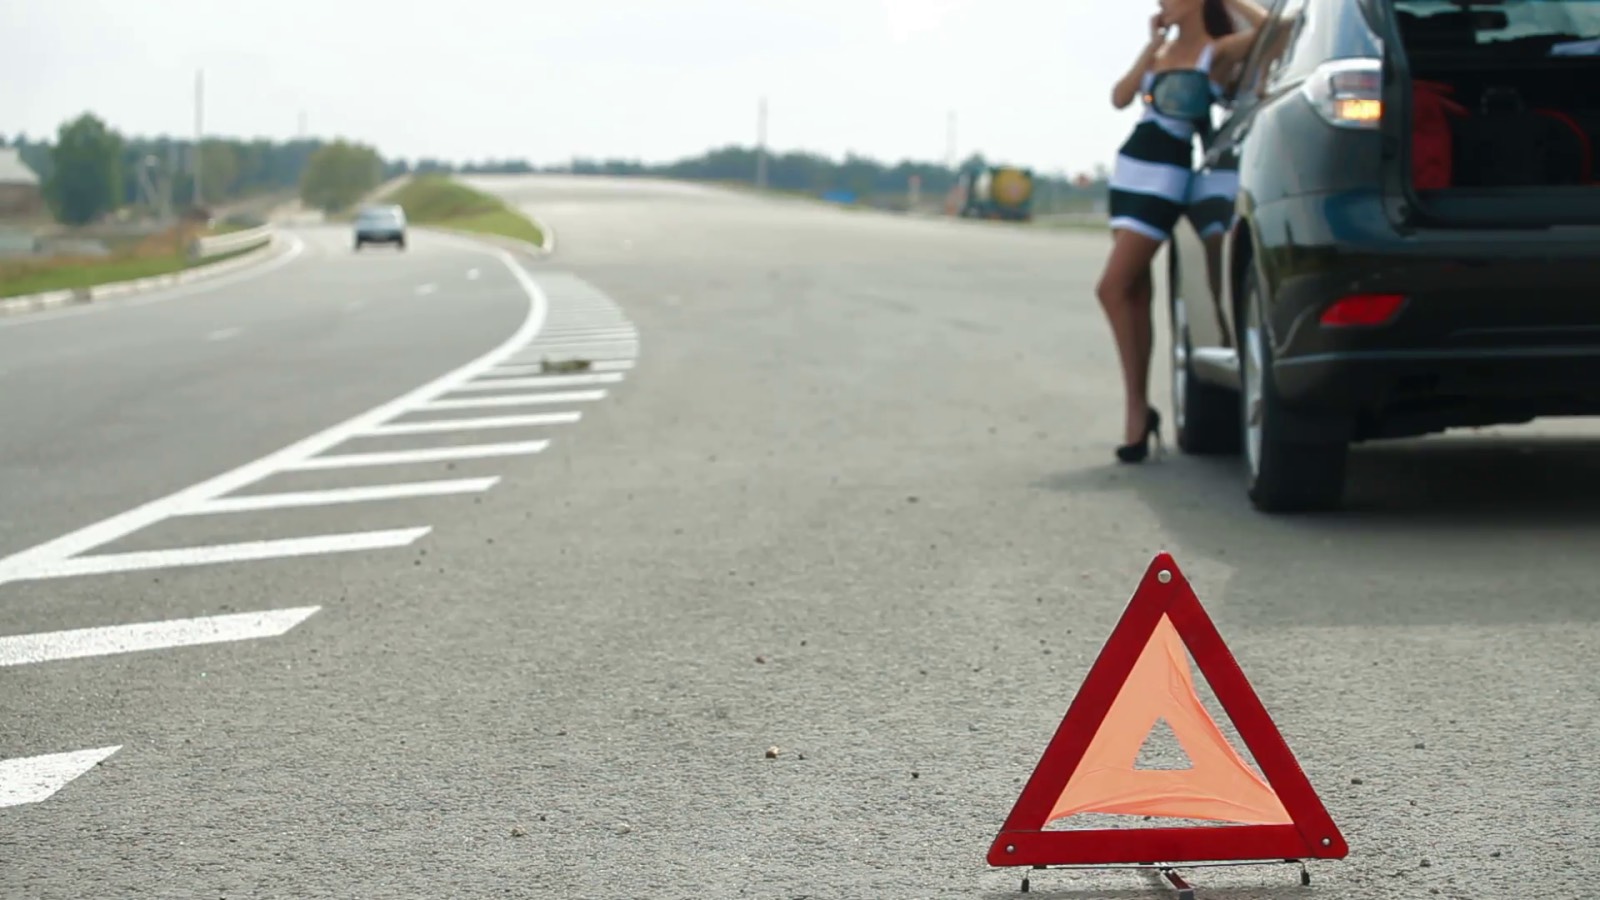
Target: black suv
1415,239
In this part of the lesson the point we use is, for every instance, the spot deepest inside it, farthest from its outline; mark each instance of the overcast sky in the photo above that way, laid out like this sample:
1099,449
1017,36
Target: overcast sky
545,80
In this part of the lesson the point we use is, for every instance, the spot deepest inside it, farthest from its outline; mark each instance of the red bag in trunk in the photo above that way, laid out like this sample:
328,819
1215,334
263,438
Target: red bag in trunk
1432,141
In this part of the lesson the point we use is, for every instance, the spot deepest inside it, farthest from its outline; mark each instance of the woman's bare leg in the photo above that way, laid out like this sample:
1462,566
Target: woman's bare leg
1125,294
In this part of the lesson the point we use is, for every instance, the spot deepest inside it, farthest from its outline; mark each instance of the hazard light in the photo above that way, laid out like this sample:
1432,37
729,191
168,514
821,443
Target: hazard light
1347,93
1363,310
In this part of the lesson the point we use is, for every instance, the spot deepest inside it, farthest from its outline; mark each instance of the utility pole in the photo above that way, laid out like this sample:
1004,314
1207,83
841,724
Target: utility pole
199,130
761,145
302,124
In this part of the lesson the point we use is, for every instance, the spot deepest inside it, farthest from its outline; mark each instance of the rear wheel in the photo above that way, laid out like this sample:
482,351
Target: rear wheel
1205,416
1284,473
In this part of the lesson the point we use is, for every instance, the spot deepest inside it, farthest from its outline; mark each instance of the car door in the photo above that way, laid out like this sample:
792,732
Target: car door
1219,197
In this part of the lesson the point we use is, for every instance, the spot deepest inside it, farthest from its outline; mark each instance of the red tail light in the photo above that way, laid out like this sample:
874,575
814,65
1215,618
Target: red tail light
1363,310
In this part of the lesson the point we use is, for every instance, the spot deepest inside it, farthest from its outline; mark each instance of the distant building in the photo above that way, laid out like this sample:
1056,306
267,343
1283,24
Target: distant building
21,195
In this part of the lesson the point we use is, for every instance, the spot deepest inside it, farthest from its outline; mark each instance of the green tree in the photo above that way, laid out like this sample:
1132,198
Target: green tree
339,174
219,172
86,170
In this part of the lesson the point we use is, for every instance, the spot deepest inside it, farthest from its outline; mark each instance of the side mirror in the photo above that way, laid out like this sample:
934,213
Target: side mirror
1181,94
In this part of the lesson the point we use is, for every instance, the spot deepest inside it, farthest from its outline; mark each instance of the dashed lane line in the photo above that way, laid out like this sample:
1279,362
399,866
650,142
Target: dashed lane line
109,640
441,426
34,779
332,496
521,369
213,554
516,400
543,381
424,455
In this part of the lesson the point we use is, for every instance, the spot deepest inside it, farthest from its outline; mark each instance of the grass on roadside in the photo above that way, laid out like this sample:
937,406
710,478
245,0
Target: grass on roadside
441,201
158,254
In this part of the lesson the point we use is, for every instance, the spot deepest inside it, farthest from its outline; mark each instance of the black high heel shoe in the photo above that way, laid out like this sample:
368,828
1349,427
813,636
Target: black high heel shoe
1132,453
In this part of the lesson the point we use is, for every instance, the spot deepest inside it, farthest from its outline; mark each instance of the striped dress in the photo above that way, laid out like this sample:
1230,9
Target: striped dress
1153,181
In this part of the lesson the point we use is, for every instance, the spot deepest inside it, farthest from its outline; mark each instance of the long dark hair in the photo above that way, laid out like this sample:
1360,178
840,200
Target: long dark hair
1219,22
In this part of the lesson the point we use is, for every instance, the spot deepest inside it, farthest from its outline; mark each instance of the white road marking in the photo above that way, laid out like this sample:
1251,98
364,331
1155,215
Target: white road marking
427,289
223,334
516,400
37,778
430,454
296,247
554,335
104,563
548,346
334,496
50,555
540,381
520,369
437,426
472,274
110,640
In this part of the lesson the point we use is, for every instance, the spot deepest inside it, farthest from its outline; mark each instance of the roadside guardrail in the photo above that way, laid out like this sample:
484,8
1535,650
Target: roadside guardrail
232,242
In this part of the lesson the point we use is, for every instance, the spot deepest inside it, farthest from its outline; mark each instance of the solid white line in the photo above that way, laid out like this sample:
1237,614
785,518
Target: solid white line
109,640
541,381
37,778
426,289
342,495
161,295
436,426
515,400
223,334
225,553
430,454
19,566
472,274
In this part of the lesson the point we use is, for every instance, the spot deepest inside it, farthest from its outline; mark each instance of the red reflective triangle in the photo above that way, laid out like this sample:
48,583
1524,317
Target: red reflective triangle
1287,818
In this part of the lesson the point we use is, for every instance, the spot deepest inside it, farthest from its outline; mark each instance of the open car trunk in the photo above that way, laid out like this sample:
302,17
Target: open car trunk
1496,104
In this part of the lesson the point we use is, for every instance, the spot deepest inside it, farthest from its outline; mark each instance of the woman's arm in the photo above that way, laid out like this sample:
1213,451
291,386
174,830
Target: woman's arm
1232,50
1127,87
1250,12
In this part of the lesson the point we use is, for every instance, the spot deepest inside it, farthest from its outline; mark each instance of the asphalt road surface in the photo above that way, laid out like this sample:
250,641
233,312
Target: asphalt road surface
296,601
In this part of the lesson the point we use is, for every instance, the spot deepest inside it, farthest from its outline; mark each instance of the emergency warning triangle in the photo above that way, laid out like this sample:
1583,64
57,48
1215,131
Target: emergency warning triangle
1141,677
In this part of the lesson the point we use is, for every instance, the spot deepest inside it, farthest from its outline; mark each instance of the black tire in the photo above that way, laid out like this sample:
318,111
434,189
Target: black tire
1284,473
1205,416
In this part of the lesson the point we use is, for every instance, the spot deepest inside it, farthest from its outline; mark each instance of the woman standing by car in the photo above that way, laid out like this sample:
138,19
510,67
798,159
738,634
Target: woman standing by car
1150,184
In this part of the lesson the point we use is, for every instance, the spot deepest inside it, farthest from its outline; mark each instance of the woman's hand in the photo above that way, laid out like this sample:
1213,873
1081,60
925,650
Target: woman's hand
1158,30
1127,87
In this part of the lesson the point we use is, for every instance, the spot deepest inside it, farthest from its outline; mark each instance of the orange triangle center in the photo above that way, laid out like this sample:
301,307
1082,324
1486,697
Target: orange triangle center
1218,786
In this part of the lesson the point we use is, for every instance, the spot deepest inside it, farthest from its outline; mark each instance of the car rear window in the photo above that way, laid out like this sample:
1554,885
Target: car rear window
1558,27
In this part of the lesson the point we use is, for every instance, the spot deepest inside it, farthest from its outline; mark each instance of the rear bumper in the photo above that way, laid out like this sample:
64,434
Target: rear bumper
1495,327
380,237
